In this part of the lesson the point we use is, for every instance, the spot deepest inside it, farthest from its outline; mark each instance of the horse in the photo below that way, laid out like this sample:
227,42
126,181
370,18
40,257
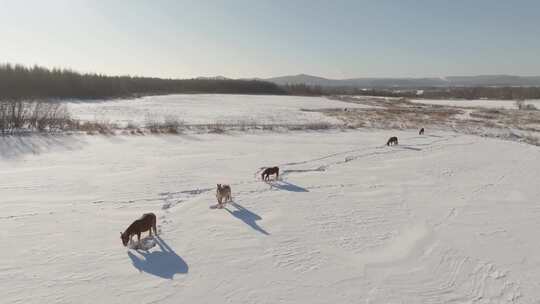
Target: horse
270,171
421,132
392,141
223,192
145,223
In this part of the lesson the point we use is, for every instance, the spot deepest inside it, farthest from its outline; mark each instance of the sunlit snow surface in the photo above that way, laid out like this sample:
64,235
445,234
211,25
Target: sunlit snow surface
439,218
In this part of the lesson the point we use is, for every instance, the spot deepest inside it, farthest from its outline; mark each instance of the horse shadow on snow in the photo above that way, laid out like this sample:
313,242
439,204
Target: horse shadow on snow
247,217
409,148
283,185
163,263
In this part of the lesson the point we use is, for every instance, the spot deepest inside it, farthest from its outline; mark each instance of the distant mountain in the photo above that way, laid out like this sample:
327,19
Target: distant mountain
482,80
305,79
212,78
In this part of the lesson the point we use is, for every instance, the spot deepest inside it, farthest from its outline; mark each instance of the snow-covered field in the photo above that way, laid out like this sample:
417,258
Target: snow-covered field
209,108
483,103
438,219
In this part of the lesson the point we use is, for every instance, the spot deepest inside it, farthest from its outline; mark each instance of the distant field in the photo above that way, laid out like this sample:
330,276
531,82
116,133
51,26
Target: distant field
210,108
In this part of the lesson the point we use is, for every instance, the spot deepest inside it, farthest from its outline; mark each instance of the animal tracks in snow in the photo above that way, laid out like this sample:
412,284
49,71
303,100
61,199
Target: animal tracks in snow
291,254
442,275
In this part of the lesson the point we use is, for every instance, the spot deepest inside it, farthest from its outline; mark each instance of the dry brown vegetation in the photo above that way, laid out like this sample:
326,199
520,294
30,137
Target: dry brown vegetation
522,123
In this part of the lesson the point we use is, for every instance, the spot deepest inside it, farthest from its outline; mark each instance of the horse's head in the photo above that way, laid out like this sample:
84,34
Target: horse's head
124,238
219,186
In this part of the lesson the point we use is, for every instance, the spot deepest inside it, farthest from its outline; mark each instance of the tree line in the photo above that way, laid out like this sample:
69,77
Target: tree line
34,83
506,92
509,93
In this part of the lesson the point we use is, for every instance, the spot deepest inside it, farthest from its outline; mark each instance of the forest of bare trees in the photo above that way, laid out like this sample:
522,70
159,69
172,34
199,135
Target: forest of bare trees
20,82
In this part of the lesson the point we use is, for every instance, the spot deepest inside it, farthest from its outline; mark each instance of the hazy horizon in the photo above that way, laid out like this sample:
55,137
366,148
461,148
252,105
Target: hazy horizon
263,39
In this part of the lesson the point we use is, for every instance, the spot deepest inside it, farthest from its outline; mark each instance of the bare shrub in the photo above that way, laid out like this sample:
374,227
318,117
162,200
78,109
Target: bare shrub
19,115
94,127
521,105
244,125
217,127
172,125
268,127
131,125
152,123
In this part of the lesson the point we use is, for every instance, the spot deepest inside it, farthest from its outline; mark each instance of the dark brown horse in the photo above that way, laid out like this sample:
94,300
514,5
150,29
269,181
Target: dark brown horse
392,141
145,223
270,171
421,132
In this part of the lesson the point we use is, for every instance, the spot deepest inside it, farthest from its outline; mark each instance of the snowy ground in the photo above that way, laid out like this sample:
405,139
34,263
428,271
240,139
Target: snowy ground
438,219
483,103
197,109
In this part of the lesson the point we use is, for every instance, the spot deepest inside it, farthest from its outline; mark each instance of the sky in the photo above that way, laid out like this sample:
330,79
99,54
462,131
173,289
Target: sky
267,38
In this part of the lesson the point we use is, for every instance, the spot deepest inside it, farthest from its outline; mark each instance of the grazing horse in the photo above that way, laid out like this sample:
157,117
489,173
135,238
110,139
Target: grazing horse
392,141
269,171
147,222
223,192
421,132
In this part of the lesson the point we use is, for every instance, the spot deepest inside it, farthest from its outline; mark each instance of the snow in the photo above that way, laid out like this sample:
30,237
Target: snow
209,108
436,219
483,103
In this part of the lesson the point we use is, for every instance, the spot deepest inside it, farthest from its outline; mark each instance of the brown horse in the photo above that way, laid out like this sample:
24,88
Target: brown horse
421,132
392,141
270,171
145,223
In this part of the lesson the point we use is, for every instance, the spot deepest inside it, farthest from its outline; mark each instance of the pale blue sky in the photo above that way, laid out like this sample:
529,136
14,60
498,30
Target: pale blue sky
264,38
